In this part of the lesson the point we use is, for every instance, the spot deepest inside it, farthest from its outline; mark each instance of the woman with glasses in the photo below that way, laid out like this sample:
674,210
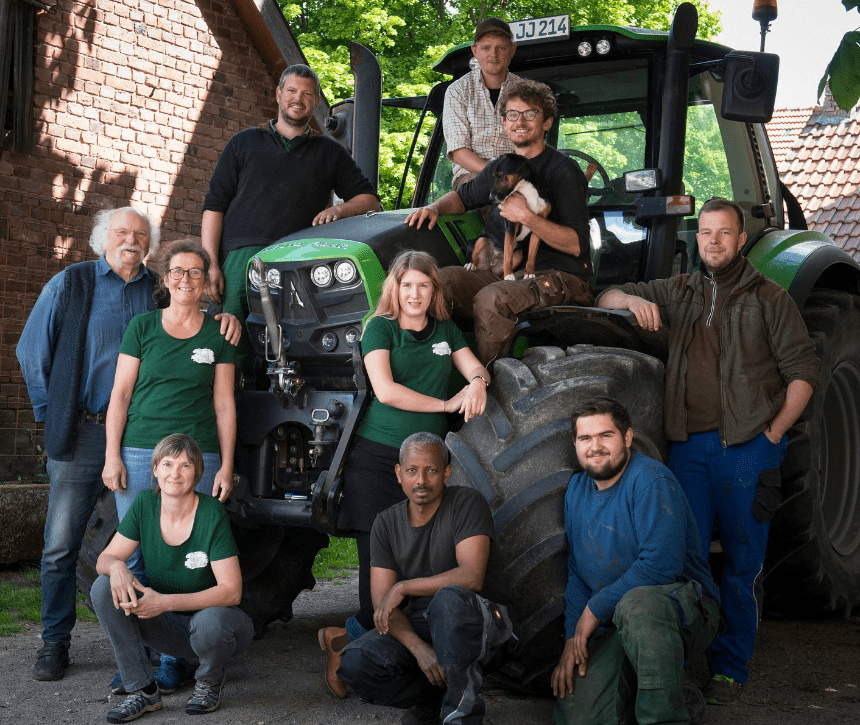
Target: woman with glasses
174,374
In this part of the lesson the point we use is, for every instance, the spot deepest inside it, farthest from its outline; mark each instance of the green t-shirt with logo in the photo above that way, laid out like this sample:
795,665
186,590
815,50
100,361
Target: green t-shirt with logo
185,568
421,365
173,392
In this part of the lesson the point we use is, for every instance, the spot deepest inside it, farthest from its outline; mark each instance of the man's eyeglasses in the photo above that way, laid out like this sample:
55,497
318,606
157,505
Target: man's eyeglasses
140,235
178,273
512,115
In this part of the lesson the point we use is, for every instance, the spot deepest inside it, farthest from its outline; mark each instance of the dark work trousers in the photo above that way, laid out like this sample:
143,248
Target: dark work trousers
370,486
721,482
495,304
636,667
465,631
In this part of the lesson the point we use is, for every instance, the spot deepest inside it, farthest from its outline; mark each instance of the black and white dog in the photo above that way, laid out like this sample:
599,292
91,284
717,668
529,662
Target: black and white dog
514,174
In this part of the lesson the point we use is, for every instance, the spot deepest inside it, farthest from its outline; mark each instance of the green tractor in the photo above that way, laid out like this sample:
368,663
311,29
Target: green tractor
665,118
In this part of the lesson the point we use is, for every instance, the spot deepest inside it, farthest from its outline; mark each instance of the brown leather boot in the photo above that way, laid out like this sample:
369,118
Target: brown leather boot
332,641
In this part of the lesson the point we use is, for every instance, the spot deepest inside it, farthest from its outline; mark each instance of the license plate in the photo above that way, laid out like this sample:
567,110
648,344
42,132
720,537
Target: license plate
554,27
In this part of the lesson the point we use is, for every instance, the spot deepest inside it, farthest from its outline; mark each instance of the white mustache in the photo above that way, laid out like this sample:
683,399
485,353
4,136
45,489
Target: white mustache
131,248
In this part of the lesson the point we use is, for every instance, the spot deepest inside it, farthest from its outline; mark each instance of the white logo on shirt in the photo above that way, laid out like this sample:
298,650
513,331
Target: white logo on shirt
196,560
441,348
203,355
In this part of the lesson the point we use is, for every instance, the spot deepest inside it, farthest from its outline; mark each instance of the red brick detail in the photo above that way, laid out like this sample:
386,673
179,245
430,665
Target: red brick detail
127,111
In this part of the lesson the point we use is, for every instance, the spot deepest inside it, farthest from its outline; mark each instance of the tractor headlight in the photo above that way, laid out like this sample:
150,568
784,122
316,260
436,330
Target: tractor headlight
345,271
321,275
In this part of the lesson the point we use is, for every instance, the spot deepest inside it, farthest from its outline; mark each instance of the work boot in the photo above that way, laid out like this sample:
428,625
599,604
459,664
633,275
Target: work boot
332,641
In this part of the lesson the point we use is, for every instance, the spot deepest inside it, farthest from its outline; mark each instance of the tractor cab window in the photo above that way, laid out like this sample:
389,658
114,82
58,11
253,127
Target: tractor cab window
602,117
706,169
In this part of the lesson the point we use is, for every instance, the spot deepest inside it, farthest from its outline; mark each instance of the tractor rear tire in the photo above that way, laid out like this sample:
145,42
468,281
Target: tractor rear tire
813,560
520,456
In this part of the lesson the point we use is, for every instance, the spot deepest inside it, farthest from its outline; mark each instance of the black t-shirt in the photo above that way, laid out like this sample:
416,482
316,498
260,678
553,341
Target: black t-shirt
421,551
567,188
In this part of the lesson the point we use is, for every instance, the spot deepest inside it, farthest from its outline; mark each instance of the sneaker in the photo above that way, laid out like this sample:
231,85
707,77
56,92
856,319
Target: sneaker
51,661
136,704
205,697
722,690
116,686
172,673
425,712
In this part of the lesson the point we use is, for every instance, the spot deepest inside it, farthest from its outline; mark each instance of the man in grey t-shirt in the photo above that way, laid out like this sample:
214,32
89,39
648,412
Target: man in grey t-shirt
428,560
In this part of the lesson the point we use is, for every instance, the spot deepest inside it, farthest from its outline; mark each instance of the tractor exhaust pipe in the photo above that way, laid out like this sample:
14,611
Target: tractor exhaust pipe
368,110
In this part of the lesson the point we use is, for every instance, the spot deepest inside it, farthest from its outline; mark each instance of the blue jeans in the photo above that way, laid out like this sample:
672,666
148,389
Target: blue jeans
721,483
213,635
75,488
138,470
465,634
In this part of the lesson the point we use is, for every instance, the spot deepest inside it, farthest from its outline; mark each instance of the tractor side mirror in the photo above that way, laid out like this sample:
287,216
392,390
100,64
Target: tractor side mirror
749,88
340,122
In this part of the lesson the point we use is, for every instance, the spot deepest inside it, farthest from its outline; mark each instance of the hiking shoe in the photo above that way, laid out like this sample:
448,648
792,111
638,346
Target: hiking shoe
205,697
722,690
136,704
172,673
51,661
425,712
116,686
695,703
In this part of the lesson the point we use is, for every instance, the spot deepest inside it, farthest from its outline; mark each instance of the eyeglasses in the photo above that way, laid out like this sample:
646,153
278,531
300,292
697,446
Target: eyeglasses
512,115
178,273
140,235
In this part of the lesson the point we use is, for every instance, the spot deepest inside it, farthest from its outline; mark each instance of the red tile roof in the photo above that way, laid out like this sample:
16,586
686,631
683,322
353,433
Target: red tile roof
817,152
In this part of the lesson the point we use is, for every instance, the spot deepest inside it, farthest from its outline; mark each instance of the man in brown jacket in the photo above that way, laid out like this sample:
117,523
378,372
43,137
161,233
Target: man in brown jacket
740,371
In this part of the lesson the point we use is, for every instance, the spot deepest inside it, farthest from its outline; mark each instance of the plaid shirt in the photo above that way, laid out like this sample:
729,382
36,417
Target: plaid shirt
470,121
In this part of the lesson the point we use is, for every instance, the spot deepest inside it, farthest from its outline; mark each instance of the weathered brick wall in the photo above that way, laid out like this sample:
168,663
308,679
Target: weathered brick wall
134,101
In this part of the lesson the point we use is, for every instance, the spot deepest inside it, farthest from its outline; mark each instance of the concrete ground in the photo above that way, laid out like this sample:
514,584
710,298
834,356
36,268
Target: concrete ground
804,672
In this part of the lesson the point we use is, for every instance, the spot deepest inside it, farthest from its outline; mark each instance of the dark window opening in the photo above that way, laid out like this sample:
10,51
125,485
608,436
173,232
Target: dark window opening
17,38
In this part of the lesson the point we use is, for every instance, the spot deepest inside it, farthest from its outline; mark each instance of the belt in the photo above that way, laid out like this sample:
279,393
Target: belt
96,418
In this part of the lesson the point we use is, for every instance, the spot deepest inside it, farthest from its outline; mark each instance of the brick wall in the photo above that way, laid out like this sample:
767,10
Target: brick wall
134,101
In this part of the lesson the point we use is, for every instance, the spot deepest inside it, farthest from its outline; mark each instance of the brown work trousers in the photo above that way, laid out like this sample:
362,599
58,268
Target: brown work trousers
495,304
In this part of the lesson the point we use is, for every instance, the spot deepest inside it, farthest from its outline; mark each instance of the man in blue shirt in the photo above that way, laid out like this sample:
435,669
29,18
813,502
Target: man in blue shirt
68,352
640,600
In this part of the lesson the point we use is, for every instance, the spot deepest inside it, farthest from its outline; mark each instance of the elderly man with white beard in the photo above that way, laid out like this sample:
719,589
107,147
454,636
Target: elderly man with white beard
68,352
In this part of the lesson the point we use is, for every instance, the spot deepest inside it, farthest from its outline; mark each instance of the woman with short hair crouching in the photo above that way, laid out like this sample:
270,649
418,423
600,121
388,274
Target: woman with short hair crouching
192,607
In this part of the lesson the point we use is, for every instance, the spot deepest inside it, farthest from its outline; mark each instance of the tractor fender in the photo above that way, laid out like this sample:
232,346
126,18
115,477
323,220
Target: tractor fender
801,260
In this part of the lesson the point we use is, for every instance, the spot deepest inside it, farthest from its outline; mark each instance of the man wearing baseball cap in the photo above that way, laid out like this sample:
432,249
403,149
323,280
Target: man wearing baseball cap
473,130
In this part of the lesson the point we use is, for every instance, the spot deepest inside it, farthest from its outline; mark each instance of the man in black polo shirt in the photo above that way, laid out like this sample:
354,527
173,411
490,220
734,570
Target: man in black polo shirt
272,180
563,264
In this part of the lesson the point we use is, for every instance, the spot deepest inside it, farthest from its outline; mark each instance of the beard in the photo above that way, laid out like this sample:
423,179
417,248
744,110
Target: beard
293,121
607,471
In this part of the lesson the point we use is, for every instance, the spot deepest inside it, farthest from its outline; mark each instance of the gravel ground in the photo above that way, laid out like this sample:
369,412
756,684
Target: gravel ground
803,672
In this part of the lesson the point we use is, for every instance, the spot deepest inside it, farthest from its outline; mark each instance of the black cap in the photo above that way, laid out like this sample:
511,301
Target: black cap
493,25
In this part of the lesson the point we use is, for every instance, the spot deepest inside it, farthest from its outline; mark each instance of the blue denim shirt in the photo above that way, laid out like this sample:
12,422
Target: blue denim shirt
115,302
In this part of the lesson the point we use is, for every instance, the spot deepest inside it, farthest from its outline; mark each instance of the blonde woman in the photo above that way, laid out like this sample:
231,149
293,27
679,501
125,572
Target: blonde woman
410,347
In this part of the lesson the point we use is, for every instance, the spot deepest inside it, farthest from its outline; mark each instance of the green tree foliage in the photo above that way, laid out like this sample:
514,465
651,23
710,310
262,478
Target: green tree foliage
843,71
409,36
